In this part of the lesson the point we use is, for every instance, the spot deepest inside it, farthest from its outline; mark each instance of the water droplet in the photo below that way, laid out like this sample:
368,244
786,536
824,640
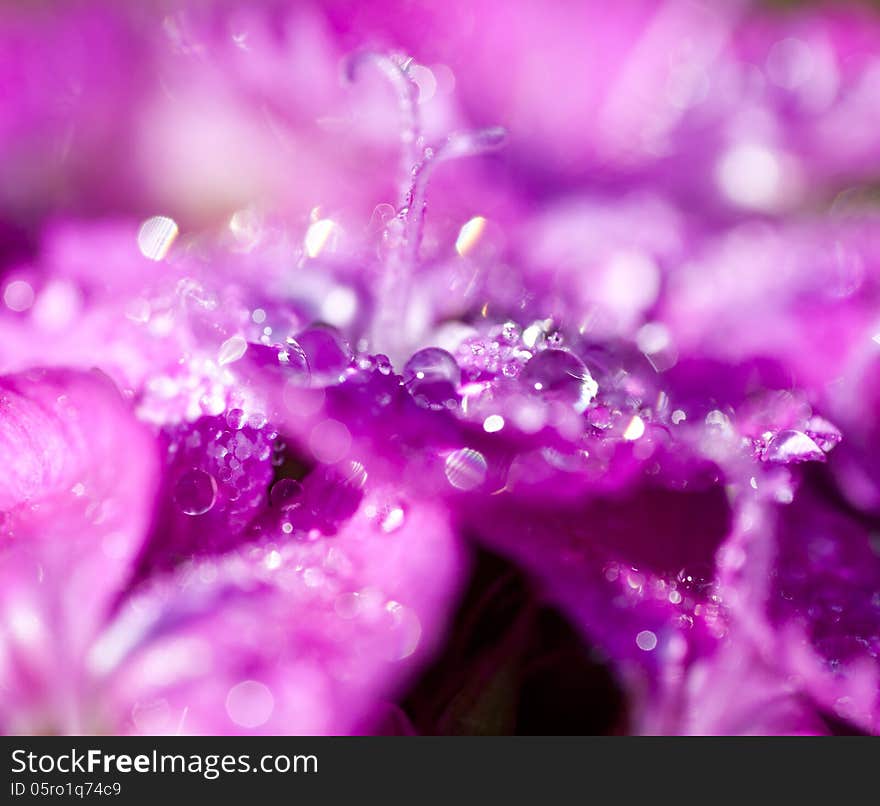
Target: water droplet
653,338
469,235
285,493
825,434
243,448
406,631
560,375
601,417
493,423
321,236
635,429
339,306
151,717
313,577
533,336
257,421
250,704
789,447
273,560
466,469
347,605
329,441
462,144
696,579
235,419
646,641
231,350
392,519
156,236
195,492
326,351
18,296
246,228
432,377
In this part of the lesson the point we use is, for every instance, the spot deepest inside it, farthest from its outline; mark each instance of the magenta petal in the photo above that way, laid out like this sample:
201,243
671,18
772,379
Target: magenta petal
804,582
732,691
75,508
629,570
292,636
217,472
823,603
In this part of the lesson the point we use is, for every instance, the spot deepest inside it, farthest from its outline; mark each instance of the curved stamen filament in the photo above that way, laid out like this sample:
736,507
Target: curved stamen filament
404,232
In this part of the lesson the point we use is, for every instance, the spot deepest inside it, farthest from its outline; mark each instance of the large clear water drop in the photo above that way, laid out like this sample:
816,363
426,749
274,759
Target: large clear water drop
560,375
432,377
195,492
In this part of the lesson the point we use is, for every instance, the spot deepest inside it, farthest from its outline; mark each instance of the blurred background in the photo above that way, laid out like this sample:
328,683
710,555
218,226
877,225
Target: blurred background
635,130
112,108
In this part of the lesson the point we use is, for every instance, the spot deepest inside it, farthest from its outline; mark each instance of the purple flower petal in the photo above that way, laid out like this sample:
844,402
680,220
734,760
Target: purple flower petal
75,509
285,635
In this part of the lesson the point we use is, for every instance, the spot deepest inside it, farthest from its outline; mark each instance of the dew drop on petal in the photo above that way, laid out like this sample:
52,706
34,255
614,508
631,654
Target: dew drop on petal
466,469
231,350
646,641
156,236
424,80
751,175
195,492
406,631
790,446
469,235
825,434
285,493
321,236
697,578
635,429
560,375
235,419
286,358
245,228
493,423
347,605
313,577
652,338
600,417
18,296
152,717
250,704
339,306
392,519
432,377
258,421
326,351
329,441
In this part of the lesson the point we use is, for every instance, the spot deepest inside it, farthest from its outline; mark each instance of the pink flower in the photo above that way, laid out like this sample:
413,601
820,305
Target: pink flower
633,355
257,635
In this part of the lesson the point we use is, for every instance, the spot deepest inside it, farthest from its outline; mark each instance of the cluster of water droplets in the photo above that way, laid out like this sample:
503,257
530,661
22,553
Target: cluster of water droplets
220,466
506,379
